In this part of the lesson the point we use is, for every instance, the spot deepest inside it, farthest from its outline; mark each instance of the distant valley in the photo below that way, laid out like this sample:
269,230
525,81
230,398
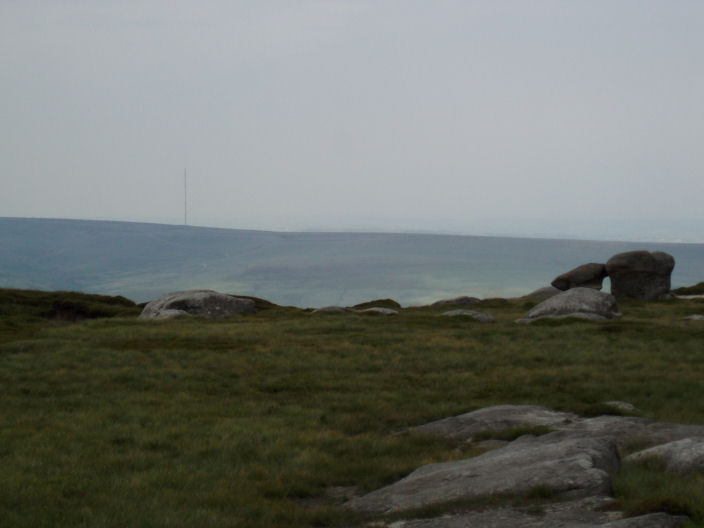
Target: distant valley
142,261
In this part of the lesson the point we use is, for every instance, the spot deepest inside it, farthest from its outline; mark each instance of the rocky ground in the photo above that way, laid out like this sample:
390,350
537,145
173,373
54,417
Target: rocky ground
573,464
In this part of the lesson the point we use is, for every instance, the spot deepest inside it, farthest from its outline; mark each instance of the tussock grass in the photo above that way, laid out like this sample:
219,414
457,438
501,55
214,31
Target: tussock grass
249,421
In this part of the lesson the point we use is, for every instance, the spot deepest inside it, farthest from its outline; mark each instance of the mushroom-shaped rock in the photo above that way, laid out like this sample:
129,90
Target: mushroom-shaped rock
583,303
587,275
202,303
479,316
640,274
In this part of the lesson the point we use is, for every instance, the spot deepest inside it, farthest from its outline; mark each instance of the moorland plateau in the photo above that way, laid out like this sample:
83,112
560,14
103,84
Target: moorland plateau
277,418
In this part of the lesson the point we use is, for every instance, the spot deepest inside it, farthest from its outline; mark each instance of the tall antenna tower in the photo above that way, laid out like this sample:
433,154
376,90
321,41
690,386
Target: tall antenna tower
185,199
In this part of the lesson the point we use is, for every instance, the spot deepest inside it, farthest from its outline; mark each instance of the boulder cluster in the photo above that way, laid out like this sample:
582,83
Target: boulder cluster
635,274
572,465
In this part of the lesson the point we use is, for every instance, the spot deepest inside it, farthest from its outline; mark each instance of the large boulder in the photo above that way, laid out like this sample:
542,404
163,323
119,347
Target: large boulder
587,275
202,303
640,274
583,303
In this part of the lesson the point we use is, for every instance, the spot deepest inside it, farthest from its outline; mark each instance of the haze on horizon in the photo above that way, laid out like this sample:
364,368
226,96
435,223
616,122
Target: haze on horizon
530,118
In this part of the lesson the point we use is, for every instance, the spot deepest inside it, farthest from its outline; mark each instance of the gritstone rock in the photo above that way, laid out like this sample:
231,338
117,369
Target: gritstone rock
565,464
575,461
587,275
640,274
584,303
582,513
680,456
479,316
202,303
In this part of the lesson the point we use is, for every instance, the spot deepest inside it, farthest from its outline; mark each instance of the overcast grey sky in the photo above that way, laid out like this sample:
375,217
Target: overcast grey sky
553,118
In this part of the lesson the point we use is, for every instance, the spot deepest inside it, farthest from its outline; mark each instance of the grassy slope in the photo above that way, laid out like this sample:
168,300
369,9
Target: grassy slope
247,422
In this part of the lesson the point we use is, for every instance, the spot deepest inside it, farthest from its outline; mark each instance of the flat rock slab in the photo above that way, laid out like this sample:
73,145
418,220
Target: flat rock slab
478,316
680,456
620,429
496,418
581,513
561,462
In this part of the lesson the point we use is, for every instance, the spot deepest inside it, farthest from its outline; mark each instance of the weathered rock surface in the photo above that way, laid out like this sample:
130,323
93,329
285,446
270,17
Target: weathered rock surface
583,513
585,276
583,303
496,418
561,462
680,456
546,291
378,310
460,301
202,303
479,316
576,461
640,274
620,429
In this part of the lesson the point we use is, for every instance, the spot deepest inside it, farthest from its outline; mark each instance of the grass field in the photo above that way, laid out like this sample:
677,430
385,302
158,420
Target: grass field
267,420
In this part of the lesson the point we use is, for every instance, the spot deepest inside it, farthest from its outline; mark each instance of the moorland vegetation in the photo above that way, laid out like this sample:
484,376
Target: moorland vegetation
272,419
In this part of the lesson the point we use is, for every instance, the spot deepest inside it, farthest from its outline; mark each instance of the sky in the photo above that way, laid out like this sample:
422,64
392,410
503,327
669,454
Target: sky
576,119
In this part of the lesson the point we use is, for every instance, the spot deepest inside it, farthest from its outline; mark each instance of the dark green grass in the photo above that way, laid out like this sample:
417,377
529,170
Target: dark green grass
248,421
697,289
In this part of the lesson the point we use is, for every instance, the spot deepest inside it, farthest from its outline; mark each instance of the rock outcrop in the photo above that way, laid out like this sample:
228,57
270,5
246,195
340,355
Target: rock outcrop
585,276
201,303
583,303
574,464
640,274
562,463
479,316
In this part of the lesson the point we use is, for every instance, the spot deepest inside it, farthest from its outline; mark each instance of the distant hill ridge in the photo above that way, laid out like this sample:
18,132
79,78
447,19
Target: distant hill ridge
142,261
